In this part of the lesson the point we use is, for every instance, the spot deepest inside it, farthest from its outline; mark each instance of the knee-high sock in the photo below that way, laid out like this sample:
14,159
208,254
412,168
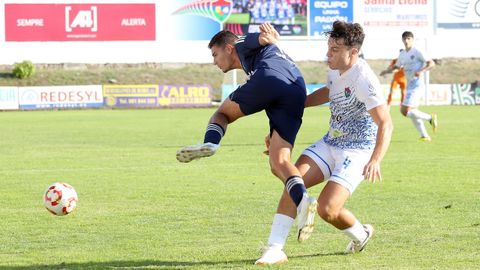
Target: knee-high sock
356,232
214,133
420,115
281,226
418,123
296,188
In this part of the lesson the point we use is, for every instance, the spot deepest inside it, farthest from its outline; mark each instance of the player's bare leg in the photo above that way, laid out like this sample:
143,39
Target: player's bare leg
280,163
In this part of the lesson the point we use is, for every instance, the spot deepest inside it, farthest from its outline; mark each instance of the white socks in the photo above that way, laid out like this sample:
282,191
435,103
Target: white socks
417,119
419,114
279,232
356,232
282,224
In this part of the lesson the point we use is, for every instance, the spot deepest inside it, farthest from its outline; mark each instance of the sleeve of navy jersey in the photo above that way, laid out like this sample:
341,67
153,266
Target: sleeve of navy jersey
247,47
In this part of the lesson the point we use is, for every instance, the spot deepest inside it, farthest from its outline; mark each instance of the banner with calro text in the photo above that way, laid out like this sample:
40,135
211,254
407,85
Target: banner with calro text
164,95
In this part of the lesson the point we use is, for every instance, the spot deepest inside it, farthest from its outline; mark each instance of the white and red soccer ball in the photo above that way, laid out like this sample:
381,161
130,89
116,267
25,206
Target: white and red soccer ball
60,199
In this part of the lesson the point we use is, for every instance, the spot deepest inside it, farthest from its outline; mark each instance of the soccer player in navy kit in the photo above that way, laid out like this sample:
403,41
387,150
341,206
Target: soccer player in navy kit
274,84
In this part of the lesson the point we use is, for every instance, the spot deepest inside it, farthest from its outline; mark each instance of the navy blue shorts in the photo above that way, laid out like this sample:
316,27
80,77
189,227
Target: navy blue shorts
282,100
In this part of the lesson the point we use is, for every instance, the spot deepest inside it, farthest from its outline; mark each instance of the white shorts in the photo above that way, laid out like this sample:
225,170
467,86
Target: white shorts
414,92
342,166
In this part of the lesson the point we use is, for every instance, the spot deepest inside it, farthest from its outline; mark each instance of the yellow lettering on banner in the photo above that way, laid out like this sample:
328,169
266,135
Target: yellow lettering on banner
182,91
131,90
173,92
193,91
191,100
164,101
205,91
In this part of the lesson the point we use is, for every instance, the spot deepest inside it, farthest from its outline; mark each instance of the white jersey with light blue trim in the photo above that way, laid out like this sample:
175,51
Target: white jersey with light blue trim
352,95
412,61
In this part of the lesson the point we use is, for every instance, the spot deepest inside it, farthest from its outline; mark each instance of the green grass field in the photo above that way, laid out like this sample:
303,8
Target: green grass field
141,209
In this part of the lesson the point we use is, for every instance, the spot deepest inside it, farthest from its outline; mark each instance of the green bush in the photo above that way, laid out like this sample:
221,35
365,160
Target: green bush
24,69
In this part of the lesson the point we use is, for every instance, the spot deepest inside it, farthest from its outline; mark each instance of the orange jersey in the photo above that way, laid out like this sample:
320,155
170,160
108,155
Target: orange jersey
398,76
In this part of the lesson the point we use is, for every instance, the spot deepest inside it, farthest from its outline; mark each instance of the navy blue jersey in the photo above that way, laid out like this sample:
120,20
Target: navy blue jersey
254,56
274,84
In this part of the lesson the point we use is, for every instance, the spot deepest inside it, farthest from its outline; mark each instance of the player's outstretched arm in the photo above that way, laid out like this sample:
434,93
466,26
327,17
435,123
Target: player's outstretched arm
391,68
318,97
268,34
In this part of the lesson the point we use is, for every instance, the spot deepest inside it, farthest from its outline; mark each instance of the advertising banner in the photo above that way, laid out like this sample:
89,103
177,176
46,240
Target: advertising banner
439,94
288,17
324,12
476,87
462,94
79,22
158,95
396,94
191,19
60,97
8,98
313,87
130,95
392,18
458,14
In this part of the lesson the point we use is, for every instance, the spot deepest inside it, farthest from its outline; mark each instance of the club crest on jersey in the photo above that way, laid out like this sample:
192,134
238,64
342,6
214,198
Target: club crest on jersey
218,10
348,92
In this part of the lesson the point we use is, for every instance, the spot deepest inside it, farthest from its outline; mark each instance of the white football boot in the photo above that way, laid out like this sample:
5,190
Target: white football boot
306,217
191,152
354,246
272,255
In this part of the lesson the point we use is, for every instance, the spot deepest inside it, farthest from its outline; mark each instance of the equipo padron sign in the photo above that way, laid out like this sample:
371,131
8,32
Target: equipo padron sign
79,22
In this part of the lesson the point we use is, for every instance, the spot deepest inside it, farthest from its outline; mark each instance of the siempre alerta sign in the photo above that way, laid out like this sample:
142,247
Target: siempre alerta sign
79,22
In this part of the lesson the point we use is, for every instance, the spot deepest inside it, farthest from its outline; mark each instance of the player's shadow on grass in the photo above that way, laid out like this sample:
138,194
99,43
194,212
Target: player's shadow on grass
156,264
236,145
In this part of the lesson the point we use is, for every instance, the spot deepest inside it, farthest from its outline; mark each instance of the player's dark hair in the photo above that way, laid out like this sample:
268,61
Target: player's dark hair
407,34
222,38
351,33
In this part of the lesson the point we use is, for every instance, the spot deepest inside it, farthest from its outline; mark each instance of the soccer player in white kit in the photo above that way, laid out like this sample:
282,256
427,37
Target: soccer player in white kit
415,63
351,151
